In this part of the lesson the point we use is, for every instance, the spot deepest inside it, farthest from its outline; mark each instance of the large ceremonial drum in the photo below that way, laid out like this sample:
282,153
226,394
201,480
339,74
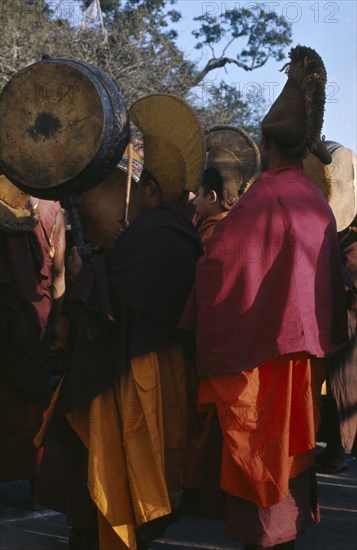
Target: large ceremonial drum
337,181
64,128
343,170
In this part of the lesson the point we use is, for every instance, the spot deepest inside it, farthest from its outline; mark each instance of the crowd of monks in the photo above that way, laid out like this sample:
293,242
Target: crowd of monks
184,361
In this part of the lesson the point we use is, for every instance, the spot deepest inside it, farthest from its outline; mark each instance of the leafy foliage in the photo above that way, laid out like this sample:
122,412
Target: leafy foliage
140,52
224,104
258,33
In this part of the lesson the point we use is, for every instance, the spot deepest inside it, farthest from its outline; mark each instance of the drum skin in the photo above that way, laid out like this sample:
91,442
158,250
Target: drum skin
337,181
343,172
64,128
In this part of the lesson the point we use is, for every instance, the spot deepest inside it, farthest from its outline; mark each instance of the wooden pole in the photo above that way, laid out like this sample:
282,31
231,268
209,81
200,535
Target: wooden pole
128,185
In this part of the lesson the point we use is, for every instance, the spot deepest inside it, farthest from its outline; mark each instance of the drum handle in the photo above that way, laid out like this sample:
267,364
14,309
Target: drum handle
71,204
128,185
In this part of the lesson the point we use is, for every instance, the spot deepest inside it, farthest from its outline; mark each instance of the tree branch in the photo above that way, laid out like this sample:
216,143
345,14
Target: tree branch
220,62
227,45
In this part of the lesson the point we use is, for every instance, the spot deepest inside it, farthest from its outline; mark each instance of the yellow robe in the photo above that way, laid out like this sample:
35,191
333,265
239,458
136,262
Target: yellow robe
135,434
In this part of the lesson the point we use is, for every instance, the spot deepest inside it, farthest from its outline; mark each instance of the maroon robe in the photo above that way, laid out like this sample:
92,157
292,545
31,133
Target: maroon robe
25,357
270,282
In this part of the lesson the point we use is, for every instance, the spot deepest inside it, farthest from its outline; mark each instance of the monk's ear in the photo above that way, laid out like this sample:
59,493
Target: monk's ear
213,197
153,188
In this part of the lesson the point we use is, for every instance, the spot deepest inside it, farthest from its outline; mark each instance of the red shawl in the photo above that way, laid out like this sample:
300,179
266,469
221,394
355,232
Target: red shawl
270,282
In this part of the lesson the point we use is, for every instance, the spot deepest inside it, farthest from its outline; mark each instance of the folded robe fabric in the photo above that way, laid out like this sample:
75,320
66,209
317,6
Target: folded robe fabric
135,434
207,227
129,303
270,282
26,301
269,418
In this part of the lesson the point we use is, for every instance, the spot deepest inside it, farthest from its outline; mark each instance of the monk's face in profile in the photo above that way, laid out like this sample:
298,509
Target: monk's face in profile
206,204
149,193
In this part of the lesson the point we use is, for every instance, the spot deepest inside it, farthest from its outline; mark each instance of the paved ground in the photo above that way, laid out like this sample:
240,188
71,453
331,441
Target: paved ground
21,529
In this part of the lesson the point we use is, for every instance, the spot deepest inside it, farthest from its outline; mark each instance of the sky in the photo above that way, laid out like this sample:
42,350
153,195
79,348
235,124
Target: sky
328,27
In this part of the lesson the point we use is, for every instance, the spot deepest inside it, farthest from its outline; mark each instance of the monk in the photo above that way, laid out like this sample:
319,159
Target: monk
212,204
119,419
339,414
32,244
269,306
231,166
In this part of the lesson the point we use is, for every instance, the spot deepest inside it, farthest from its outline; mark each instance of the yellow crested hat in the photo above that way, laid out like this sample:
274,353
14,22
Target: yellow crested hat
244,155
15,216
174,147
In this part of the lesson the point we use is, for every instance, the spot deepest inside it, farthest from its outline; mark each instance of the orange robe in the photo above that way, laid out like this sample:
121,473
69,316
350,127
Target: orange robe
268,417
200,425
208,226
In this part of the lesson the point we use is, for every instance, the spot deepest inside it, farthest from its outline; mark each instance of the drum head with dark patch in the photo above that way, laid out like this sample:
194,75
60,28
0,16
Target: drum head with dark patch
61,122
